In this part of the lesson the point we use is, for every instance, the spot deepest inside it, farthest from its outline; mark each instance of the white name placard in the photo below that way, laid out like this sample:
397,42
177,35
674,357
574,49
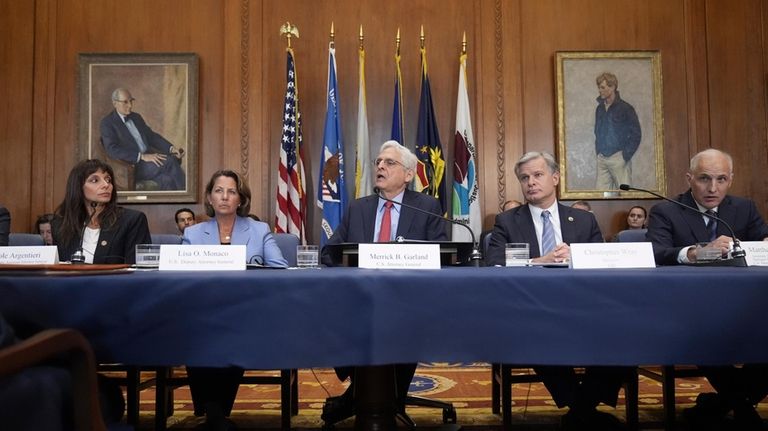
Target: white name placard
399,256
612,255
202,257
757,252
30,255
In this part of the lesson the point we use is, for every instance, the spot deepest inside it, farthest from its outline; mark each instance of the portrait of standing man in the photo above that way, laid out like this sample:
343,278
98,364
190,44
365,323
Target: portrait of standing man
617,135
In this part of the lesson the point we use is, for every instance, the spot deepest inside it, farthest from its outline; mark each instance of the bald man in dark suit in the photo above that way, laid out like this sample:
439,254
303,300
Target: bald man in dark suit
548,227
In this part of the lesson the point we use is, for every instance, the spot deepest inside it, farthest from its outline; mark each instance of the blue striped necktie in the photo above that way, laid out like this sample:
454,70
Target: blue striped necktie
547,234
712,225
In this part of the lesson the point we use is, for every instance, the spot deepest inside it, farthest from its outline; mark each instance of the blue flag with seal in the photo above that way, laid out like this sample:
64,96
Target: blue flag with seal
331,190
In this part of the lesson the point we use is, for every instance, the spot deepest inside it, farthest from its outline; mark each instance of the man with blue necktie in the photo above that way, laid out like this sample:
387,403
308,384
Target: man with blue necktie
548,227
676,233
127,137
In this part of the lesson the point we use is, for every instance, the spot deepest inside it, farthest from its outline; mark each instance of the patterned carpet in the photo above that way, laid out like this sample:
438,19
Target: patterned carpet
468,387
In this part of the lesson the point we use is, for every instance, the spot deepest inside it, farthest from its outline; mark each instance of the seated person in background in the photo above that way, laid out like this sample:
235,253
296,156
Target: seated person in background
127,137
227,201
5,226
675,232
582,205
184,217
43,227
89,218
548,227
636,218
372,219
512,203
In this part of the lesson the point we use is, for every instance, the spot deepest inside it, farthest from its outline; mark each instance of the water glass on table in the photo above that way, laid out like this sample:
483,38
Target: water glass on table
516,254
307,256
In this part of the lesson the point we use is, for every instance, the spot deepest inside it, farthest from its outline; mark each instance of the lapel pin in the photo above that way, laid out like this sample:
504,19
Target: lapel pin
103,243
570,218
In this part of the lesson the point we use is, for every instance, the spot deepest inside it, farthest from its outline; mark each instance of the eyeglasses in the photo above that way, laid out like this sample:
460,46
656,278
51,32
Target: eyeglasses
387,162
126,102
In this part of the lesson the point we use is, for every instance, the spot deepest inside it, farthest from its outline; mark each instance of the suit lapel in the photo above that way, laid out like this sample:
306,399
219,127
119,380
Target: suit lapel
369,218
406,215
567,217
240,232
694,220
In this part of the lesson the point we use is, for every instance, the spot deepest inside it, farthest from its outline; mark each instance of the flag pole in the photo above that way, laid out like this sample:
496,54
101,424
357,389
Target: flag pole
421,36
397,43
333,38
361,37
464,44
287,30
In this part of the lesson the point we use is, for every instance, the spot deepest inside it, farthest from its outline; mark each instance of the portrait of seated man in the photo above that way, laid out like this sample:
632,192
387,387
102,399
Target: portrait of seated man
127,137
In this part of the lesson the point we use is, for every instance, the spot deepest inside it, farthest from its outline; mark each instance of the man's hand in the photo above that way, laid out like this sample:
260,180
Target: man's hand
721,243
561,253
157,159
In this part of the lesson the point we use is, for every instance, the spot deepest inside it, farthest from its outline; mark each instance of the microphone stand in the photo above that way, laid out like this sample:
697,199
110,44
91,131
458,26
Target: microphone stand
475,258
78,257
738,255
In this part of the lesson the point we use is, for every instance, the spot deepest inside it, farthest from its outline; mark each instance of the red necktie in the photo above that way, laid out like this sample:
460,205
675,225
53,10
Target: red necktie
386,223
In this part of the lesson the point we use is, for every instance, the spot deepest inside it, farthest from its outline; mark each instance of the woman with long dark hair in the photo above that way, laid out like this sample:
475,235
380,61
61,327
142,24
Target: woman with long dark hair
89,221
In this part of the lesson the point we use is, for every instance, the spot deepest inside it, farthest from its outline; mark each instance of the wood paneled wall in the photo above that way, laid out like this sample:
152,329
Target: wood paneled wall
713,62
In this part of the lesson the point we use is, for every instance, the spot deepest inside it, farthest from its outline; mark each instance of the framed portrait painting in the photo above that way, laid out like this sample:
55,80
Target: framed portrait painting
609,123
138,112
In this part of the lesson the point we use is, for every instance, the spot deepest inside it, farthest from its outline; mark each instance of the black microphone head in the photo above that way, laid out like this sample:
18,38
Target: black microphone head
624,186
376,190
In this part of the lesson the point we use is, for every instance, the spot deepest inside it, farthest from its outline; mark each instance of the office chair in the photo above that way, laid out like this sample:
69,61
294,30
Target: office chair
503,377
166,238
71,351
24,239
631,235
287,379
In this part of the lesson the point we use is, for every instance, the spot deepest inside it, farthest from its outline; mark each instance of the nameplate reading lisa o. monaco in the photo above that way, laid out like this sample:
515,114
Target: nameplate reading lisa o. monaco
202,257
612,255
30,255
398,256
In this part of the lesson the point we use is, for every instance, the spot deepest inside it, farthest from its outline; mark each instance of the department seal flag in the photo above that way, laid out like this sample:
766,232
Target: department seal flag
331,190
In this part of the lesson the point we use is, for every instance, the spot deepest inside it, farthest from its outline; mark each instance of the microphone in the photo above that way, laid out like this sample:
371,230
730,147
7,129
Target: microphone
738,255
475,258
78,257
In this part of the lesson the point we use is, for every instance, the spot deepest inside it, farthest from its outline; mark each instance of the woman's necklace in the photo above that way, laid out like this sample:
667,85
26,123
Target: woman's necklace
225,235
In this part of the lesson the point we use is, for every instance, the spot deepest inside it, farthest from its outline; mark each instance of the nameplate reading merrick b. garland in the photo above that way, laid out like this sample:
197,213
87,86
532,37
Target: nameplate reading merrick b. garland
30,255
202,257
399,256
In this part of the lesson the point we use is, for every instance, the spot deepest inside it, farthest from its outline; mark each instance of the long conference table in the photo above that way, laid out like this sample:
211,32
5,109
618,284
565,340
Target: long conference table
278,319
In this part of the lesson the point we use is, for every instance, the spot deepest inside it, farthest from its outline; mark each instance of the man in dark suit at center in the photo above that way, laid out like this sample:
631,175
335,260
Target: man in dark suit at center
548,227
372,219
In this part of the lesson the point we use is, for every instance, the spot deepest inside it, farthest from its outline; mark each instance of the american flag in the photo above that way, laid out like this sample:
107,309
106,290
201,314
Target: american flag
291,199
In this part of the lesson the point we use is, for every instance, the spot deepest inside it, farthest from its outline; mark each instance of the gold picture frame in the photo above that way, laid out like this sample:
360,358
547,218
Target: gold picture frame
165,89
585,172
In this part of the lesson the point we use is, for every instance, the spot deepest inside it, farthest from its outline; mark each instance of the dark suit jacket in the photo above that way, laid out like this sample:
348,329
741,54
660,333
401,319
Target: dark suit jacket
119,143
359,221
672,227
117,243
516,225
5,225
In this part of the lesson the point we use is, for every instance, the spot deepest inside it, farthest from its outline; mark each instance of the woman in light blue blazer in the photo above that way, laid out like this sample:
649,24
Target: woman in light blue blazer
227,201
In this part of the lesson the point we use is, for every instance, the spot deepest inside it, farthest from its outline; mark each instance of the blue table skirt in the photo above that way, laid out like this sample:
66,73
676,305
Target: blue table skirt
344,316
